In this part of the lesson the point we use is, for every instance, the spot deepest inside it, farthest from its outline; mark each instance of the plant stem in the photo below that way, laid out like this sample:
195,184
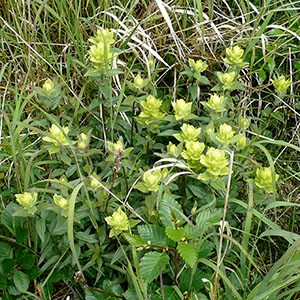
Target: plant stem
222,228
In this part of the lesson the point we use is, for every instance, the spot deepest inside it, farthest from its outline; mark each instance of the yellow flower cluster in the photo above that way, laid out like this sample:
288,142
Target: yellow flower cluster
100,52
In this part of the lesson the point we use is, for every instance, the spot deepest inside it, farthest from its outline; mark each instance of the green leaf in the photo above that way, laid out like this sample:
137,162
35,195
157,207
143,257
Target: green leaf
21,281
188,252
3,282
153,233
92,73
5,250
170,211
175,234
152,263
40,227
134,239
25,259
7,265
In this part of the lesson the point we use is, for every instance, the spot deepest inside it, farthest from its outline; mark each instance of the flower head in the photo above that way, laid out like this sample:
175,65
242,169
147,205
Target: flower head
198,66
151,110
227,78
235,56
115,147
182,109
27,200
61,201
189,133
83,141
225,134
139,82
48,86
103,35
215,103
244,122
152,180
172,149
264,179
118,221
193,151
100,52
58,136
241,140
215,161
281,84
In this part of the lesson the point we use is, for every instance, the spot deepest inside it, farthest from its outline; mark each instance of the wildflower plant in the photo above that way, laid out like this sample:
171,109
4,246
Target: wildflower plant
281,84
27,200
264,179
184,168
57,137
182,110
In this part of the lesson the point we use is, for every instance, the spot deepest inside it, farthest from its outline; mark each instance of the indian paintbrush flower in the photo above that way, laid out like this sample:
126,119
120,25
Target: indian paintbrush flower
58,138
215,103
27,200
48,86
234,56
118,221
151,110
225,134
241,140
189,133
60,201
198,66
152,180
83,141
172,149
264,179
281,84
193,151
100,52
182,109
139,82
243,122
215,161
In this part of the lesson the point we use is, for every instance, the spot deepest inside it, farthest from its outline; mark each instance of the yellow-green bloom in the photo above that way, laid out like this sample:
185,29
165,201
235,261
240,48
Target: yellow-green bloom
115,147
264,180
100,55
100,52
189,133
48,86
225,134
152,180
235,56
83,141
244,122
281,84
151,110
227,78
215,161
215,103
172,149
103,35
58,136
94,183
139,82
27,200
241,140
182,109
193,151
60,201
198,66
118,221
